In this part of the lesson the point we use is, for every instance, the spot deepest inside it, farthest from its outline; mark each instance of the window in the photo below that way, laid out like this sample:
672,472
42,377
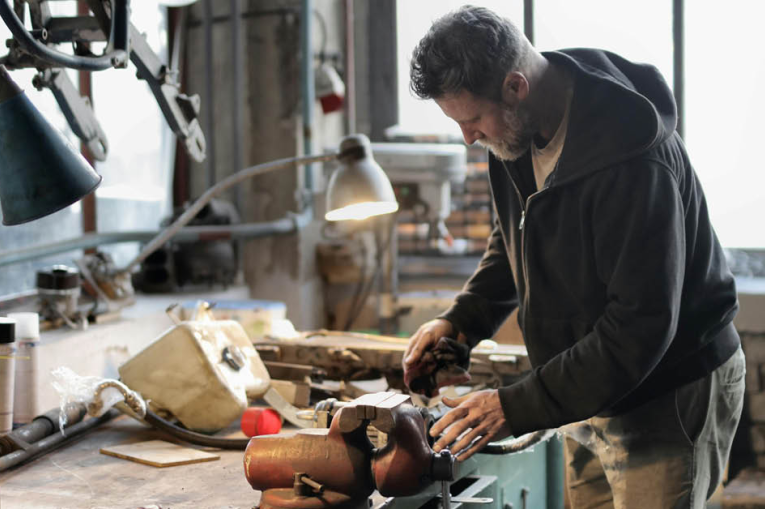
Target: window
413,20
724,76
136,192
639,31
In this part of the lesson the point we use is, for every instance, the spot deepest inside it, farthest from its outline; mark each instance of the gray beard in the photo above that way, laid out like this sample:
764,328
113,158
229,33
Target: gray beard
517,135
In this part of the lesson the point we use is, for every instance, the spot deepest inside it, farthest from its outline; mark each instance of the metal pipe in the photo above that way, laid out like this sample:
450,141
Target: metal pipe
237,97
350,67
89,210
678,60
53,441
283,226
309,90
40,427
528,20
118,36
209,93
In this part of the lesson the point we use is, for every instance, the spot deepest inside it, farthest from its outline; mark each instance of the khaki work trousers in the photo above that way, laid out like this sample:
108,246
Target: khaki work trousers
669,453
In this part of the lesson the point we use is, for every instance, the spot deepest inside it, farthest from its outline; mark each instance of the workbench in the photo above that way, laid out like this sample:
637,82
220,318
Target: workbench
78,476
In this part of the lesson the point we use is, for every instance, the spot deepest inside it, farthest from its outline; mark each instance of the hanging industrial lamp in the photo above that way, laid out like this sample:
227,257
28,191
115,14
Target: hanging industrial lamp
359,189
40,171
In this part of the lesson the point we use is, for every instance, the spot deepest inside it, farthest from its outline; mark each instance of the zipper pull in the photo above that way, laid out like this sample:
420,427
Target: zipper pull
523,220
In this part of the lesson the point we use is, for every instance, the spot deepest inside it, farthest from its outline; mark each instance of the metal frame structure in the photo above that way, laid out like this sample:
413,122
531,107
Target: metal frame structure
35,49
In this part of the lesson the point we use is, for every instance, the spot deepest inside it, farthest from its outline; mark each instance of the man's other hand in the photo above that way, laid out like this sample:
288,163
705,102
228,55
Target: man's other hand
475,420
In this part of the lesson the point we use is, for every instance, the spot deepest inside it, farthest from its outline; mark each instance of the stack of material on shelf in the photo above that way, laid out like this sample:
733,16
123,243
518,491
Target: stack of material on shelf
748,488
746,491
754,407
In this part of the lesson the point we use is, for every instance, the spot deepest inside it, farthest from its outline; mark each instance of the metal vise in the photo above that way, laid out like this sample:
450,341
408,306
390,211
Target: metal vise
339,467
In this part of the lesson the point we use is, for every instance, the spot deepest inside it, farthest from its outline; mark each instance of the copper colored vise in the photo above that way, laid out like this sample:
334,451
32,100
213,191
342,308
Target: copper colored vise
339,467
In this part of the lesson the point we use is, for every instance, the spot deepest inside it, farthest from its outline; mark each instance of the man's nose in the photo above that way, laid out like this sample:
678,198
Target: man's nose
471,135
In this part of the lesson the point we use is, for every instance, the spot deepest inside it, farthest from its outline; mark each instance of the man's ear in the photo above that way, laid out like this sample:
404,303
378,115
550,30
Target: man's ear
515,88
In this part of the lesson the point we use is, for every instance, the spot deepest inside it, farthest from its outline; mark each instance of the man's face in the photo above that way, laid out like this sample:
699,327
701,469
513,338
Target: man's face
504,130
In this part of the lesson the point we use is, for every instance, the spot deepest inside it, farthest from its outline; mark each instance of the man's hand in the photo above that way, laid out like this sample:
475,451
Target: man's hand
425,339
475,420
434,358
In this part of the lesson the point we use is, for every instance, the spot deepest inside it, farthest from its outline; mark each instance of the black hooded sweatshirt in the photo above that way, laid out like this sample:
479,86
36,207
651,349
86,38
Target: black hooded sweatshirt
622,286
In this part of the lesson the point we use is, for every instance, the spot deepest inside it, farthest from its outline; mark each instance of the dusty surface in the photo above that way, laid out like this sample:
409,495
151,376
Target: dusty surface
77,476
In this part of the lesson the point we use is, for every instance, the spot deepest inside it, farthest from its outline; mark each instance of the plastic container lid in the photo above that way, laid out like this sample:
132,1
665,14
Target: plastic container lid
260,421
7,330
27,324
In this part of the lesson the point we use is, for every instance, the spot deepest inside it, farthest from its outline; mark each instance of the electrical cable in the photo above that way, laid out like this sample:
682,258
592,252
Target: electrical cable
381,249
193,437
358,291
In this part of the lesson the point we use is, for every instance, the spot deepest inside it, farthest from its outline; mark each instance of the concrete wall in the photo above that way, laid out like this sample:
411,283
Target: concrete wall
280,268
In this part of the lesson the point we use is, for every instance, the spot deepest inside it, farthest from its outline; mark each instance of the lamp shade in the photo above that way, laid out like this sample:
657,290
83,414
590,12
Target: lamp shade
40,171
359,188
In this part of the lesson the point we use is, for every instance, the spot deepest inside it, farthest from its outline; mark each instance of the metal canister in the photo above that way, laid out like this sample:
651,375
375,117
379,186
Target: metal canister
7,365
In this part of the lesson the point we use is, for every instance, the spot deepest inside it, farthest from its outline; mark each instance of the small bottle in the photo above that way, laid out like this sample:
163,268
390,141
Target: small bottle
7,361
25,388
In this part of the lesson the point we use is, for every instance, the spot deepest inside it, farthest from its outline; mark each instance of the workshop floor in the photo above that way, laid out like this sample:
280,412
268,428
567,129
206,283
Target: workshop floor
78,476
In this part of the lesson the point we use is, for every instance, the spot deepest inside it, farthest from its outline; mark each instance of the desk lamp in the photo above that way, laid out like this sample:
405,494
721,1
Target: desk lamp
40,171
359,189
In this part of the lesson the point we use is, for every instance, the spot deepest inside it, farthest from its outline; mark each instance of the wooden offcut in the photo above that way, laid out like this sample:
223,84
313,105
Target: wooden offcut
746,491
159,453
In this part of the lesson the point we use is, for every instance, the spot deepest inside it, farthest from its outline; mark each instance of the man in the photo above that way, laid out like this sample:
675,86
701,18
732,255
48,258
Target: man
602,241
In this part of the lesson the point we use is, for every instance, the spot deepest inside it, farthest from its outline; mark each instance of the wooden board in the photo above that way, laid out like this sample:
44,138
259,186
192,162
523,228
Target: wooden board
159,453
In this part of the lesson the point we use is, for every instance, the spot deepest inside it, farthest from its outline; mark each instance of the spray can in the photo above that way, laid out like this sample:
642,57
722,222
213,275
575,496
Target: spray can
25,387
7,361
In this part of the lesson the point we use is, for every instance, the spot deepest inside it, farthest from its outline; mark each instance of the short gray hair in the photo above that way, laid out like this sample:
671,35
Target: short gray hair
471,48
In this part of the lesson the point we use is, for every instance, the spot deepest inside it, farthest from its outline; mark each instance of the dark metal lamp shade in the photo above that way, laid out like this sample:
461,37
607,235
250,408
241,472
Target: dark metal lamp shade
359,189
40,172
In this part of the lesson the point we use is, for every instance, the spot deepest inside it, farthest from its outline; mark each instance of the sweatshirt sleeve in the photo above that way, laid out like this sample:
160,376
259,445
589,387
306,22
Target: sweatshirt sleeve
638,235
488,297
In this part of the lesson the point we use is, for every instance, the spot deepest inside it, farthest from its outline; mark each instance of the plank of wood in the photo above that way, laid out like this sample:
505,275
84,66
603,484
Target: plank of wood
159,453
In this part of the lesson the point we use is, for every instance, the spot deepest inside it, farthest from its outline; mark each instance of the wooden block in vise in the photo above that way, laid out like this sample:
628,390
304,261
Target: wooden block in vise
746,491
377,408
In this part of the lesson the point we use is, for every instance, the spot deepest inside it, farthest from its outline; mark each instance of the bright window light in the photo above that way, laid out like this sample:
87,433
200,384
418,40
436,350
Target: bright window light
724,73
413,20
638,31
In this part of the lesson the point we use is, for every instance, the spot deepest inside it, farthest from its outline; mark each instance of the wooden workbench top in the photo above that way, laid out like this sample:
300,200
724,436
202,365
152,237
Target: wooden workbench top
78,476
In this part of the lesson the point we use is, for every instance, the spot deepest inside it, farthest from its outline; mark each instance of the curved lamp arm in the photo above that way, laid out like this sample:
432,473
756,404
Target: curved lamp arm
118,39
214,191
